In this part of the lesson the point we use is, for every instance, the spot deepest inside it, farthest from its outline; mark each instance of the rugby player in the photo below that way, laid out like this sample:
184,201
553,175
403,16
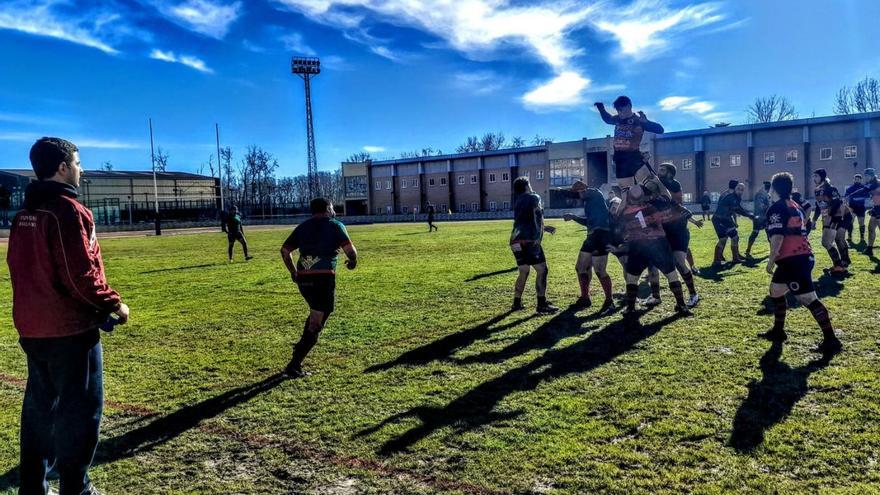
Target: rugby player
805,207
431,211
856,196
593,255
235,232
706,205
762,204
791,264
729,204
675,224
318,240
525,242
831,208
873,187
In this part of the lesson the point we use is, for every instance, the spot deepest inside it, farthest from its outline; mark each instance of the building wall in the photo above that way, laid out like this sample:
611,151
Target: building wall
410,195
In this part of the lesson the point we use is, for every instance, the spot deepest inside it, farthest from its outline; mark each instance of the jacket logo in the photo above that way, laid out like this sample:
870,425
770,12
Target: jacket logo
308,262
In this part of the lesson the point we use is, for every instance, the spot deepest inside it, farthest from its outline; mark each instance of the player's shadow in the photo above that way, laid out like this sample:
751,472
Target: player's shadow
715,273
491,274
771,399
753,262
165,428
476,408
445,347
829,285
178,268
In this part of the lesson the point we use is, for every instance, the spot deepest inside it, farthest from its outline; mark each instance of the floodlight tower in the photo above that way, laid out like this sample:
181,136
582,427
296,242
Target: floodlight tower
307,68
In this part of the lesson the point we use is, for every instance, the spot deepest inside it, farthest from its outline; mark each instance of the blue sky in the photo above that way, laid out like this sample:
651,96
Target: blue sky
406,74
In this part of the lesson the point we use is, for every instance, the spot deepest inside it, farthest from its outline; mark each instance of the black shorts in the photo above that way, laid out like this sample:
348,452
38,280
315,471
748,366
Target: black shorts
319,291
724,227
848,220
649,252
528,254
678,235
234,237
796,272
706,208
858,209
759,222
875,212
627,163
597,243
834,223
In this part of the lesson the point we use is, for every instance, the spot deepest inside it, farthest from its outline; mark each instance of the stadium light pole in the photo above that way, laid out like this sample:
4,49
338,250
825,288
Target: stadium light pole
307,68
219,167
155,184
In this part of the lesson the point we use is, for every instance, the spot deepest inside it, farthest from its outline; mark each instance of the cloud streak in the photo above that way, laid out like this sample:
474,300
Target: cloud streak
39,19
81,142
207,17
187,60
693,106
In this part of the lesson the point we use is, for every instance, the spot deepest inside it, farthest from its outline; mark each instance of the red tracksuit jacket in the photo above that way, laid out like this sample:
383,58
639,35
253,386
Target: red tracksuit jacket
58,283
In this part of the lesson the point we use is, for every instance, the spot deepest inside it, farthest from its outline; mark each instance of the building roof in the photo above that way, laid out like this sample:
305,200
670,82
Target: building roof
120,174
769,125
459,156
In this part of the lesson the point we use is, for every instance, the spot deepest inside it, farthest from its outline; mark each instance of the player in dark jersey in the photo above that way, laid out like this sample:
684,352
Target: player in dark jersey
791,264
805,207
873,187
762,204
235,232
675,224
729,204
642,223
525,242
856,196
431,210
593,255
706,205
318,240
830,206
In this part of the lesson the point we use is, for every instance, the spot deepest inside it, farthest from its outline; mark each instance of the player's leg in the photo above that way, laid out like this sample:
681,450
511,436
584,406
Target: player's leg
541,271
687,276
829,236
230,247
780,307
319,291
312,328
830,342
636,263
690,260
520,286
734,247
653,282
244,246
843,245
721,230
873,223
756,229
37,417
860,215
662,258
600,266
583,268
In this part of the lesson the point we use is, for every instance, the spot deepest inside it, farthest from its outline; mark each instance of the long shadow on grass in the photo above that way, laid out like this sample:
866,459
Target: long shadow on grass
771,400
476,408
177,268
491,274
165,428
715,273
445,347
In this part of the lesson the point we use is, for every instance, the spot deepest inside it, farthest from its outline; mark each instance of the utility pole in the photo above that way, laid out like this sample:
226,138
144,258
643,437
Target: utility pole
307,68
219,167
155,185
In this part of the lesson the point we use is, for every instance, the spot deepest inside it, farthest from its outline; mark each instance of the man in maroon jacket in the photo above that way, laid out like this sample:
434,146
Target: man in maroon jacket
60,298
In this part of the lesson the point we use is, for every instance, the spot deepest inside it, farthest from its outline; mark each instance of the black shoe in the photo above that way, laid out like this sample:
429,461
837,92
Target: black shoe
246,258
517,306
607,308
828,346
683,310
869,251
774,335
582,303
295,370
546,309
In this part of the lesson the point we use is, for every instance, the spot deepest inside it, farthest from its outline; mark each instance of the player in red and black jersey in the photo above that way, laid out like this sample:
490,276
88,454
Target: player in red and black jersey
832,209
642,223
791,264
675,224
873,187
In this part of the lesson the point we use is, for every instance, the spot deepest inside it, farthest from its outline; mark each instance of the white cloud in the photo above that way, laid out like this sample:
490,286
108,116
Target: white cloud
374,149
674,102
693,106
478,83
335,62
79,142
211,18
293,42
39,19
187,60
18,118
253,47
565,90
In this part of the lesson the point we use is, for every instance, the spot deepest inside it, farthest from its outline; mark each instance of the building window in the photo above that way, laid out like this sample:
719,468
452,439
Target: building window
687,164
849,152
825,154
388,210
443,208
526,175
492,205
415,183
715,162
565,172
491,178
791,155
539,175
505,177
388,184
442,181
687,197
475,207
379,210
736,160
769,158
505,205
431,182
460,179
473,179
403,183
462,207
715,196
378,185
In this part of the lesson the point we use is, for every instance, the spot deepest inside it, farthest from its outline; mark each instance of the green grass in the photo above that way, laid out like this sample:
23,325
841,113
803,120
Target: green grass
424,384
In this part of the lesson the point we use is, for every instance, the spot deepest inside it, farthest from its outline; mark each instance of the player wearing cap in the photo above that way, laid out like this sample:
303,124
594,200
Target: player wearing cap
791,263
729,204
762,204
525,242
593,255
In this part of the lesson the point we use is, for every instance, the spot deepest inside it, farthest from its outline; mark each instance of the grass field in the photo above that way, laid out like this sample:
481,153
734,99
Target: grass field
424,383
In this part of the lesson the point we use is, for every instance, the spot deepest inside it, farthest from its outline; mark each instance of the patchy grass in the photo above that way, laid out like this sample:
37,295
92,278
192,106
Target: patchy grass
425,383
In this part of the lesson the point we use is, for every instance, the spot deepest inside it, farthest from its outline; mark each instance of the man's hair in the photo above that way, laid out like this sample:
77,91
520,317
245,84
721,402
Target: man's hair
821,172
319,205
767,184
48,153
732,183
520,185
671,167
782,184
857,176
622,101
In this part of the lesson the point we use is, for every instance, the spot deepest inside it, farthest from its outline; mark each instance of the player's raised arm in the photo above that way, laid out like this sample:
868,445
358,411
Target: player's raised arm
648,125
606,117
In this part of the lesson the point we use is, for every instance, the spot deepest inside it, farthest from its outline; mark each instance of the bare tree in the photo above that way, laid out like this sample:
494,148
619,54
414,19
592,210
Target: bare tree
842,103
863,97
539,140
471,145
359,157
225,165
492,141
517,142
107,166
161,162
771,108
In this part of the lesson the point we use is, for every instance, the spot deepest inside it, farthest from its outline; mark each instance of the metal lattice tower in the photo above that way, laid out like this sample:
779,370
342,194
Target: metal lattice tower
307,68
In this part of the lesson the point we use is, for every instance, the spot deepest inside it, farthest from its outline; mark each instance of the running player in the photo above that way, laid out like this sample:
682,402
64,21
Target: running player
431,211
856,196
831,208
235,232
594,251
675,224
762,204
873,187
791,264
318,240
647,246
525,242
729,204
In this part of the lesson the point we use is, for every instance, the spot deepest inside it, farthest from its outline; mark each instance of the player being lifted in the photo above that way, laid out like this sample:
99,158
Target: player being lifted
762,204
525,242
593,255
856,196
873,187
675,224
647,245
729,204
831,208
318,240
791,264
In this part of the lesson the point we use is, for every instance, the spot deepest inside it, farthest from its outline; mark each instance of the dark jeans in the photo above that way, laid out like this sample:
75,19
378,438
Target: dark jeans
61,415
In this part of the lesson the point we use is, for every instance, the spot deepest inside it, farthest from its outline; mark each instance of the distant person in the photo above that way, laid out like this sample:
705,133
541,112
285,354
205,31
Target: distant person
762,204
706,205
856,196
431,211
60,298
235,232
729,205
830,206
318,240
525,242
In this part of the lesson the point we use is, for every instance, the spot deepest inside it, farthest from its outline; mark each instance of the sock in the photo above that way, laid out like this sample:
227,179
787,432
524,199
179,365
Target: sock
835,256
631,291
675,287
780,306
584,281
305,344
820,313
606,286
542,300
655,290
689,282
